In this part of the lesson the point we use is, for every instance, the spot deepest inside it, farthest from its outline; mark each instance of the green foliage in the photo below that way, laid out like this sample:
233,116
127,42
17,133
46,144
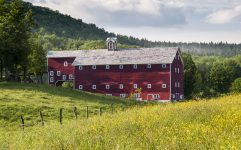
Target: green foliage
190,71
222,74
69,85
236,86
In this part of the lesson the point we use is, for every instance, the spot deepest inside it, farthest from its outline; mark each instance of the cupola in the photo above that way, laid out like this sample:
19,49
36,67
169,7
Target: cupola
111,43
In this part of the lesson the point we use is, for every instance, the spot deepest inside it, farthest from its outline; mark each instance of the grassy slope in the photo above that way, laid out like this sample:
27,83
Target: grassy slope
29,99
210,124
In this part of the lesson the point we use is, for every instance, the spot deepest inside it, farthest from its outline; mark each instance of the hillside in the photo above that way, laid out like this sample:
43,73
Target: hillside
59,31
205,124
29,99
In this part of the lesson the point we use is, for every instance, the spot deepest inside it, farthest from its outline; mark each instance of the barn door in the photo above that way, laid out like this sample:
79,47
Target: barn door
150,97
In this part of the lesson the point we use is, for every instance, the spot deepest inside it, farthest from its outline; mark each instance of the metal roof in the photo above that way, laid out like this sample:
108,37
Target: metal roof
123,56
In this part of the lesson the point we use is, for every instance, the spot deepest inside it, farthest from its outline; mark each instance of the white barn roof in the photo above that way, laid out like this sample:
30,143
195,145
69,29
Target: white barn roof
123,56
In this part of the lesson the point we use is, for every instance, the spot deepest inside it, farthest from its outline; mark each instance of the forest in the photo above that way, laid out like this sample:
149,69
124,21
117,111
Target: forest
27,32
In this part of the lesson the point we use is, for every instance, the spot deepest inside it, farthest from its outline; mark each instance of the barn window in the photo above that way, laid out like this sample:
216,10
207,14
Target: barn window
93,87
178,84
80,87
149,66
80,67
177,70
135,86
121,86
58,73
94,67
108,94
173,96
137,95
71,76
51,73
164,65
149,86
107,86
107,66
164,86
135,66
175,84
64,77
65,63
122,95
120,66
51,79
156,96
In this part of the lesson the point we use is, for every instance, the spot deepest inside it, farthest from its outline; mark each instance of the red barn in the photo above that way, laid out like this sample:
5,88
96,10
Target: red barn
143,74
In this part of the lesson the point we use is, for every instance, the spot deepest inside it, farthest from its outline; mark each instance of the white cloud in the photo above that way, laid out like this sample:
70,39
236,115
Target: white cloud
225,16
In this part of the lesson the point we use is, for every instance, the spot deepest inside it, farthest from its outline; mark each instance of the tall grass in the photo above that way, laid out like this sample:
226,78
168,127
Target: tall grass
206,124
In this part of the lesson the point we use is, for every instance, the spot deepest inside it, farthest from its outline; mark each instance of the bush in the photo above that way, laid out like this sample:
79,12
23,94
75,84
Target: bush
236,86
68,85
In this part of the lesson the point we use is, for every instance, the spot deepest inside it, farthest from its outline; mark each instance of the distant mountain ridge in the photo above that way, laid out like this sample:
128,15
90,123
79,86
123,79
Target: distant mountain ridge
72,32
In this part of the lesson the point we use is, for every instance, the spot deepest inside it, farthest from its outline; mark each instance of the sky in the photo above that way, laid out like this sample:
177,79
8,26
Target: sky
159,20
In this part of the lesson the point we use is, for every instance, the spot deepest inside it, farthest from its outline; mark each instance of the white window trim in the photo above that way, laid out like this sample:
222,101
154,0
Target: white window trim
123,95
107,86
51,73
175,70
107,66
121,66
164,86
175,84
178,84
164,66
66,64
156,96
135,86
71,76
64,77
149,86
135,66
80,87
58,73
51,79
137,95
178,70
94,87
121,86
80,67
149,66
94,67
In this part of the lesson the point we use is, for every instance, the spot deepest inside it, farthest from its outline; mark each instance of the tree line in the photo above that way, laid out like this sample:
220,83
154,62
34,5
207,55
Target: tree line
208,76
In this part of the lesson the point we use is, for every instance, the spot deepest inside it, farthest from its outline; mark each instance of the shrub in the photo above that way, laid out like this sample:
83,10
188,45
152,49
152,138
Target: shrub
68,85
236,86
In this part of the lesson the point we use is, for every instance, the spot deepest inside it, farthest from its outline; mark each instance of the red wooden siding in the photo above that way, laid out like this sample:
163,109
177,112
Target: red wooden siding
128,76
57,64
177,77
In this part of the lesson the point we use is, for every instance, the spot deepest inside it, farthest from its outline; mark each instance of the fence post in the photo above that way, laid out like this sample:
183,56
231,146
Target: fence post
87,112
60,115
100,111
42,119
22,120
75,112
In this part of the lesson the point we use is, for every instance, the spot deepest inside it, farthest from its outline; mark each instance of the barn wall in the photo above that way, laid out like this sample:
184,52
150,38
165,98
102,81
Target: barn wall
177,77
156,75
57,64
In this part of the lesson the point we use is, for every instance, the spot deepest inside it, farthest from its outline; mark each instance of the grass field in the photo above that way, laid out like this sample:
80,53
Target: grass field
29,99
204,124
